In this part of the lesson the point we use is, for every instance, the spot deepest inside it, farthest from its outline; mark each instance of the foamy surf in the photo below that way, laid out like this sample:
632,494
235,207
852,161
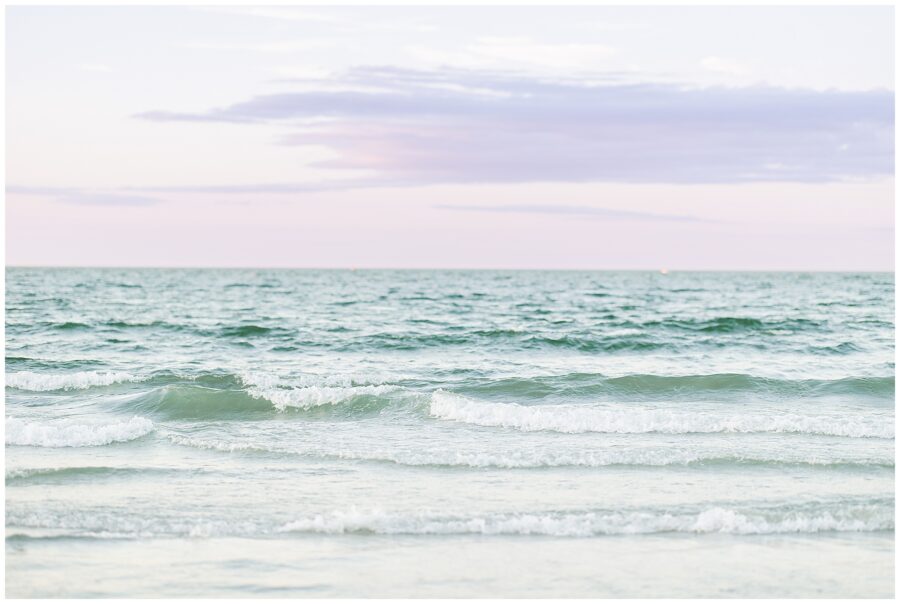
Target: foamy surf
264,380
532,457
736,519
309,391
849,518
315,396
66,433
79,380
580,418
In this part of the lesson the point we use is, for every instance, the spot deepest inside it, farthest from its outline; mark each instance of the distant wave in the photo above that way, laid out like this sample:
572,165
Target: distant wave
70,325
64,433
578,418
253,331
521,339
614,333
732,324
80,380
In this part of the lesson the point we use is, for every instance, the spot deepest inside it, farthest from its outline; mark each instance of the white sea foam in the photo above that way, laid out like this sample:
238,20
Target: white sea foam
315,396
264,380
66,433
529,457
858,518
308,391
80,380
107,523
218,445
580,418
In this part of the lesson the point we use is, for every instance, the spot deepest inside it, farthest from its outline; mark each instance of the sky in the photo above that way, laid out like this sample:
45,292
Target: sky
701,138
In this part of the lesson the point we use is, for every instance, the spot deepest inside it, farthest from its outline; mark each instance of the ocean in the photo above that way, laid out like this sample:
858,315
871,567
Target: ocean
338,433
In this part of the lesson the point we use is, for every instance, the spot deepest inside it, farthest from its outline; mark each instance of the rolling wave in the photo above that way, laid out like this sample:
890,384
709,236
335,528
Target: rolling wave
570,385
732,324
64,433
578,418
17,475
194,402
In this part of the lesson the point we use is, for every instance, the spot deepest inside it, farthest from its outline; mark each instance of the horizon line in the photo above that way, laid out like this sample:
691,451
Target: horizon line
660,270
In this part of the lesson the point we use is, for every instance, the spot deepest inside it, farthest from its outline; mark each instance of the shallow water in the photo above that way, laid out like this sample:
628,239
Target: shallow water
448,433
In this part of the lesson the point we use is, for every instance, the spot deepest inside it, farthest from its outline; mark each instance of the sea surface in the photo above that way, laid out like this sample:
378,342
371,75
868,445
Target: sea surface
448,433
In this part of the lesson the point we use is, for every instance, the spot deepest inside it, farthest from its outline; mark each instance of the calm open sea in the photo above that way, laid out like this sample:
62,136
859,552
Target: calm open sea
448,433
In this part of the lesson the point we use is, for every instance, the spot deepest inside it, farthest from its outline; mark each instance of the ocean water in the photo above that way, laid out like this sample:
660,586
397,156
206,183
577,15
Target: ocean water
448,433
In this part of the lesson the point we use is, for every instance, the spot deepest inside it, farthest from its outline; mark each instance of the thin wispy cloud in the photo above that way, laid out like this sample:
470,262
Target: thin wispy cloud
577,211
71,195
482,126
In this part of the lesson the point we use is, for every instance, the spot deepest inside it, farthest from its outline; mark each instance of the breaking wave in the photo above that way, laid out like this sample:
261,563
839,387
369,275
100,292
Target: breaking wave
64,433
316,396
80,380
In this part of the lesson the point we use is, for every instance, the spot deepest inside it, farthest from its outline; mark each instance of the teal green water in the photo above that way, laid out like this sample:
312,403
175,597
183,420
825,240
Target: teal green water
448,433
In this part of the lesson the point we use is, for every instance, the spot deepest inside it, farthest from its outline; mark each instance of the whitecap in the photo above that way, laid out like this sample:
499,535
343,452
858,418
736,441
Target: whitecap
315,396
66,433
80,380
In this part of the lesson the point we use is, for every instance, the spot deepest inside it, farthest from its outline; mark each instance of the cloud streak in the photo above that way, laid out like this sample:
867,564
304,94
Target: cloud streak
72,195
578,211
470,126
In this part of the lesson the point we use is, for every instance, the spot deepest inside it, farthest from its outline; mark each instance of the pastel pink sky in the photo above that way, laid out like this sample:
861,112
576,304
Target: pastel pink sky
576,138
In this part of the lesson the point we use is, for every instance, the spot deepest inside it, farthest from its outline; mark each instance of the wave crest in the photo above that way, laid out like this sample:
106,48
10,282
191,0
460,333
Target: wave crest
308,392
67,434
316,396
80,380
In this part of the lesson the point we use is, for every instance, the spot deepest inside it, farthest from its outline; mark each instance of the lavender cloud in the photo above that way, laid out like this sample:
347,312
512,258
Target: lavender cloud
469,126
74,195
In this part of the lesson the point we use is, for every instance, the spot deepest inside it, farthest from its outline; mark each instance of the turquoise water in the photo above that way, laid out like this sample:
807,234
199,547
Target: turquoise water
448,433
